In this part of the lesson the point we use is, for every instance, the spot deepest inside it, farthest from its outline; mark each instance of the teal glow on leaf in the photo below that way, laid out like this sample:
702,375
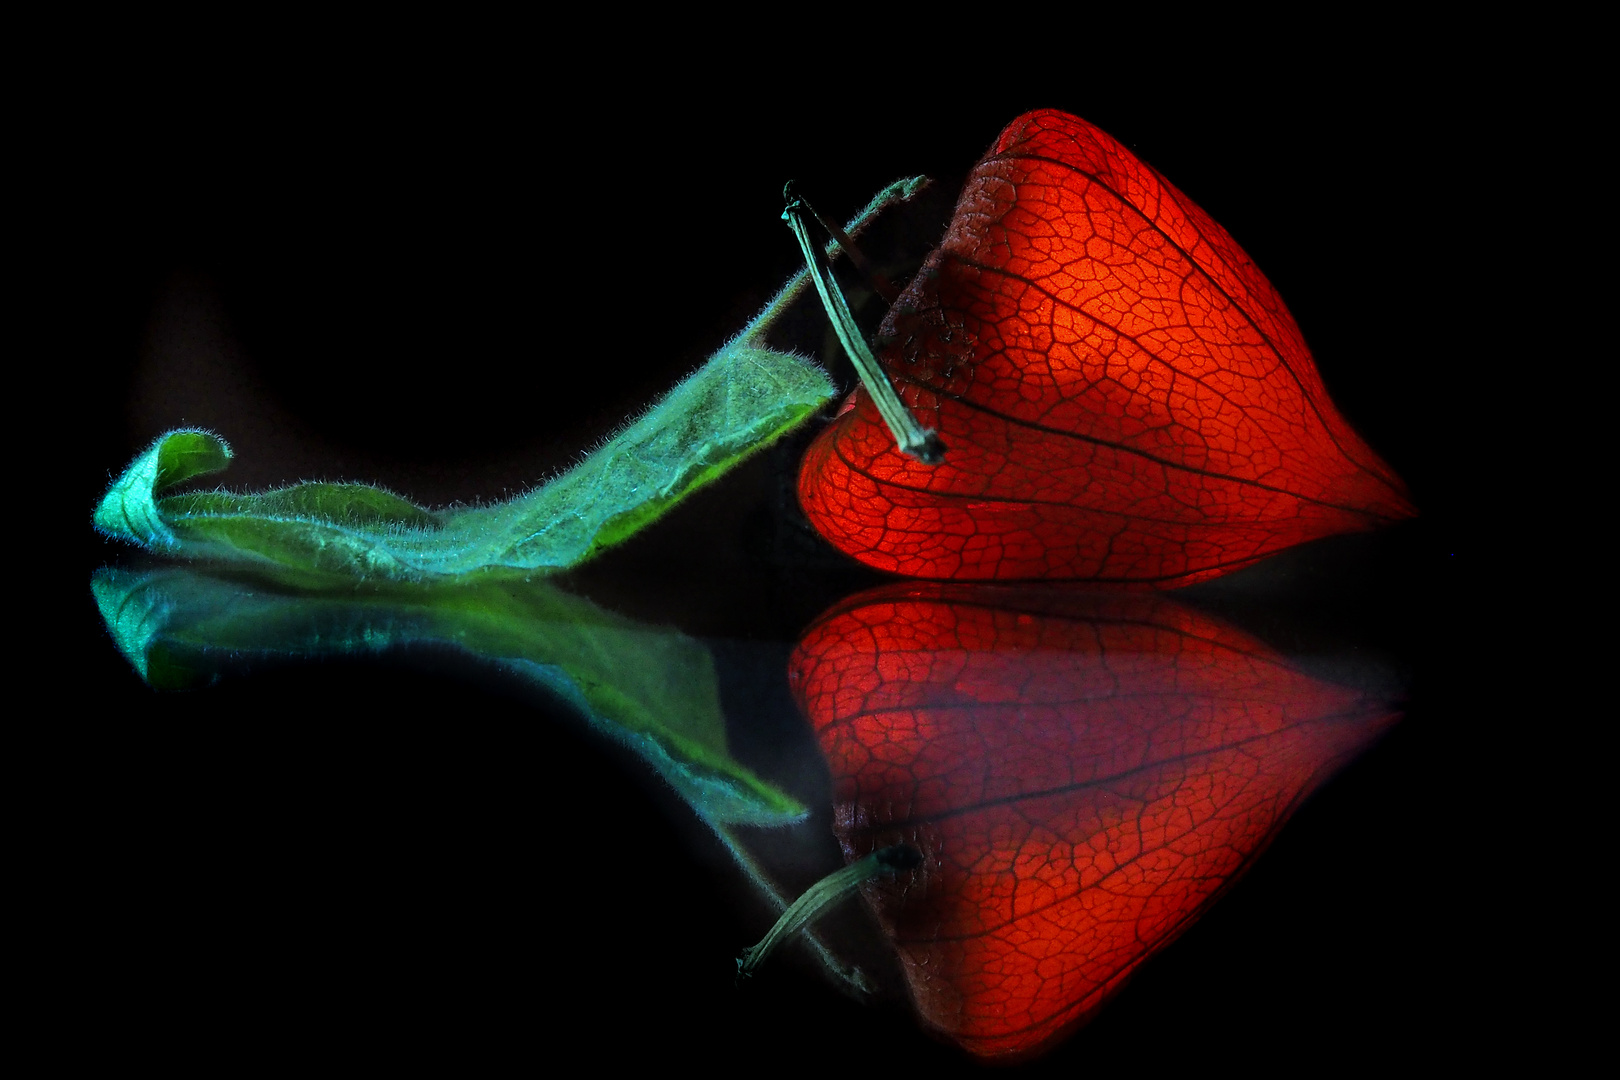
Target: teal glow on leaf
128,511
651,689
319,535
743,399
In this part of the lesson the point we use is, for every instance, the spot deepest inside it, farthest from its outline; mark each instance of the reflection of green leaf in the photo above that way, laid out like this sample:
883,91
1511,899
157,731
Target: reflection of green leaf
742,399
466,577
649,688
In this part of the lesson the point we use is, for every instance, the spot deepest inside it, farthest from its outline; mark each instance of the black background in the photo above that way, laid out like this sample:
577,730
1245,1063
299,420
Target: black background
452,283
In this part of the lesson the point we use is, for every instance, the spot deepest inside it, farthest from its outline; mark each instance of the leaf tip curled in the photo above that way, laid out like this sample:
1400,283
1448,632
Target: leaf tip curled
128,511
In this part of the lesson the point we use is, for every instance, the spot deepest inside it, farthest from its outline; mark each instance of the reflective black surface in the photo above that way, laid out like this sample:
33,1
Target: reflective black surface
407,857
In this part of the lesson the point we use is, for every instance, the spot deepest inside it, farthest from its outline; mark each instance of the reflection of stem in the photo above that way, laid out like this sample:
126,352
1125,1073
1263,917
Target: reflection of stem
850,975
823,895
912,438
752,336
898,192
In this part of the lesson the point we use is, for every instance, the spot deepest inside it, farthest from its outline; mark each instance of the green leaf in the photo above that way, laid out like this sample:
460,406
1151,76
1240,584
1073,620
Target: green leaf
323,535
128,510
312,534
649,688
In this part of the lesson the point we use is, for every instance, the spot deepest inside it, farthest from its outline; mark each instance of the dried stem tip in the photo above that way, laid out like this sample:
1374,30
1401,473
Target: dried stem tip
913,439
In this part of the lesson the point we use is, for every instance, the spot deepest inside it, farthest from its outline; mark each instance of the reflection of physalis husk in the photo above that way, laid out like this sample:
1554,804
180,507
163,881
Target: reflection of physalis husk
1083,776
650,688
